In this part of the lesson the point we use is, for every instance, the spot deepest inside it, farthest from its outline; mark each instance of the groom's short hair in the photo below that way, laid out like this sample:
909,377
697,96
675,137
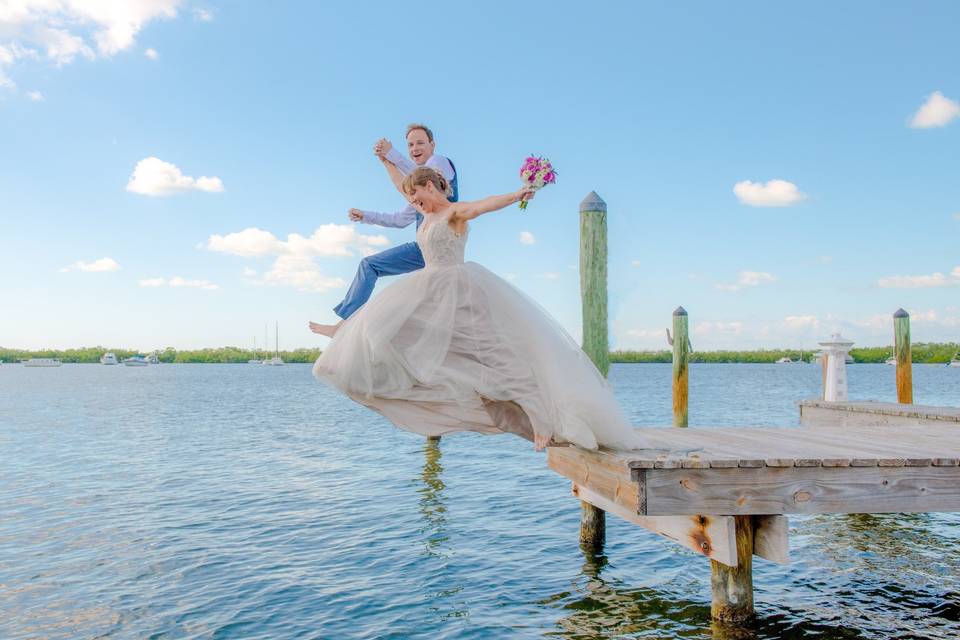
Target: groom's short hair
425,128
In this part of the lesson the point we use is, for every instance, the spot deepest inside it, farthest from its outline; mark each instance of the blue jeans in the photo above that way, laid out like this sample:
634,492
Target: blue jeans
394,261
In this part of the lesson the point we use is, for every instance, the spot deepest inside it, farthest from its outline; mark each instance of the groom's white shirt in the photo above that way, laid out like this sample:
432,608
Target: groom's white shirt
405,166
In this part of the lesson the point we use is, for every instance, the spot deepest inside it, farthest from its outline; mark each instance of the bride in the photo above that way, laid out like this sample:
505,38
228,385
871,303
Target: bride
452,347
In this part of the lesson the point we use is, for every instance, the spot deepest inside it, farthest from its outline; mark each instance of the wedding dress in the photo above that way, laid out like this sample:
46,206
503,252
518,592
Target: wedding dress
453,347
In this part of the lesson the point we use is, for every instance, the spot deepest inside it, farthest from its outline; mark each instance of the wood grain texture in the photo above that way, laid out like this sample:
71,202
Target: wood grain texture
710,536
681,367
731,588
593,296
806,490
901,351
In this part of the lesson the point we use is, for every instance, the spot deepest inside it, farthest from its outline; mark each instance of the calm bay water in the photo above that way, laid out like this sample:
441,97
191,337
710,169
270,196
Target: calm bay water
238,501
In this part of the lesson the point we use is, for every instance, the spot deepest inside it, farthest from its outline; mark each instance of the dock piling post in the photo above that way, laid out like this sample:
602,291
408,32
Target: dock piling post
681,361
593,295
901,351
731,588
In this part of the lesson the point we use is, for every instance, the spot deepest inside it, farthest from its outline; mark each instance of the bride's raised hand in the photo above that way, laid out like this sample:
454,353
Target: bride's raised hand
526,194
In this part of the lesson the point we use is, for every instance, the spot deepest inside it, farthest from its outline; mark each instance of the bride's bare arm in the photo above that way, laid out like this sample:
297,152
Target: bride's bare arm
395,175
464,211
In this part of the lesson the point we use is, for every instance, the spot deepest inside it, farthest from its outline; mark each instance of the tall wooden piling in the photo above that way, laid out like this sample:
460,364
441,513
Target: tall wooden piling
681,361
901,351
593,295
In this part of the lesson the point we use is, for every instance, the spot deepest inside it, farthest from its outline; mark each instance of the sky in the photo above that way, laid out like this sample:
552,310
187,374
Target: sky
178,173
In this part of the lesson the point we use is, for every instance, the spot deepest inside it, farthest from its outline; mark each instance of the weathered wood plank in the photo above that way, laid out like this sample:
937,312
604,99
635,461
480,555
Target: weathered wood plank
771,538
711,536
808,490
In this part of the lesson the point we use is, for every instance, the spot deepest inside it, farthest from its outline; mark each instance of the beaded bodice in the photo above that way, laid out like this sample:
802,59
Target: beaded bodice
438,242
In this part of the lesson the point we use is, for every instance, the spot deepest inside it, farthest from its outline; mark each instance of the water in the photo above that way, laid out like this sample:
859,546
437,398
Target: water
237,501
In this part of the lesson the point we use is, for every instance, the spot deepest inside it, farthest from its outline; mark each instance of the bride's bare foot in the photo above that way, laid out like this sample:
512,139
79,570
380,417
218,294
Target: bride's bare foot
540,442
328,330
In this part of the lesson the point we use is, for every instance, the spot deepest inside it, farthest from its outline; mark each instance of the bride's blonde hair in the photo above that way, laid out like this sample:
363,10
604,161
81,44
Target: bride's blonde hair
420,176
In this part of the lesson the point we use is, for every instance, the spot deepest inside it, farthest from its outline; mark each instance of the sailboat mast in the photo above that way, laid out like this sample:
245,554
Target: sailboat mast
277,339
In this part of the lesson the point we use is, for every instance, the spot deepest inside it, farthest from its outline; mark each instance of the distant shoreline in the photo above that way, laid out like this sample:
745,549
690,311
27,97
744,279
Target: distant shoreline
923,353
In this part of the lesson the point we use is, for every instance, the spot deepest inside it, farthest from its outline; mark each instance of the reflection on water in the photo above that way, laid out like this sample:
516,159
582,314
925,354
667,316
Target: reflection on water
432,502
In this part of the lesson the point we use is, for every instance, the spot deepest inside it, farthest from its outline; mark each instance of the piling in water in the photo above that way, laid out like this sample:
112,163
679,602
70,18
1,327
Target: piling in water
901,351
593,294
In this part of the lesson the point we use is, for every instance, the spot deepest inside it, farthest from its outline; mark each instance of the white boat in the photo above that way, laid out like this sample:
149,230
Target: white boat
42,362
276,360
255,359
787,360
108,358
153,358
955,360
135,361
892,360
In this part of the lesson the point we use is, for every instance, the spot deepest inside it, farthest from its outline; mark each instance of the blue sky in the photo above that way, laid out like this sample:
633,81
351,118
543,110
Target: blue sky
269,115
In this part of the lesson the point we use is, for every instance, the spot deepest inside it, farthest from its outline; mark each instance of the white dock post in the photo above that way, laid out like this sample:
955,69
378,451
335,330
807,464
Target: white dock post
835,352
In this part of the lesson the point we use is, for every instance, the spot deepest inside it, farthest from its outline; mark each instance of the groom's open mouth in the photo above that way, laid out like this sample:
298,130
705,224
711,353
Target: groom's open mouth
417,155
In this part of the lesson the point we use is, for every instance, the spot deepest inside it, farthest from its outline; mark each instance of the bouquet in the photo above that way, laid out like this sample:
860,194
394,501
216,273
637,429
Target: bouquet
536,173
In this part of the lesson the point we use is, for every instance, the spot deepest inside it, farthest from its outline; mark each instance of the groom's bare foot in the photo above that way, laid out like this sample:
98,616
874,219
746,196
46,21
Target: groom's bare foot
328,330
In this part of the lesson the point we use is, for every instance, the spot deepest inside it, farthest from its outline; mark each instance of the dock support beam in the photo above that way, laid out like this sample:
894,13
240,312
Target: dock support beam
732,587
593,295
901,351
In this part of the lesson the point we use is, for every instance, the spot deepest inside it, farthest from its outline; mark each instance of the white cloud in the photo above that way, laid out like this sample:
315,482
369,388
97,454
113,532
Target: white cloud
203,15
302,273
748,279
295,265
801,323
64,30
956,216
178,281
707,327
154,177
775,193
62,47
35,96
636,263
550,275
937,111
825,259
97,266
327,240
527,238
935,279
151,53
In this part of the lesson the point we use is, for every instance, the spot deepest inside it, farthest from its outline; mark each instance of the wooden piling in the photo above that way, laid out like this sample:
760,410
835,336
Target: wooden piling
681,361
732,587
593,295
901,351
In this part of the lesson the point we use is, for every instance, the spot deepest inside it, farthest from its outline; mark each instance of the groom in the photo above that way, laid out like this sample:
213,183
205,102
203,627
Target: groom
405,257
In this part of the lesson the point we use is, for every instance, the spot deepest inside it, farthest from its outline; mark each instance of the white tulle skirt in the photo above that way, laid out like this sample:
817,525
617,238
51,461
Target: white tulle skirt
432,351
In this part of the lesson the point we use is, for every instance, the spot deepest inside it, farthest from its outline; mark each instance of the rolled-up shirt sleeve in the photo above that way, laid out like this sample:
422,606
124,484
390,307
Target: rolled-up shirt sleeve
397,220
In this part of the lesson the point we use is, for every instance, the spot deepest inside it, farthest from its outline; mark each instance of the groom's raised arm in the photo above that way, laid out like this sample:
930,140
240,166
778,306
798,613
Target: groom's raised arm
397,220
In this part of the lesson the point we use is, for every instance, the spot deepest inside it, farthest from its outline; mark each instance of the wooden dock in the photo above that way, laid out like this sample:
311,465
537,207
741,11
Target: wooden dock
695,485
726,492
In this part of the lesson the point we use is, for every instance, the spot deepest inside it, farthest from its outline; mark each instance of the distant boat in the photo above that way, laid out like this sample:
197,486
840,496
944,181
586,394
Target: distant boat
42,362
892,360
135,361
276,360
255,359
153,358
108,358
787,360
955,360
